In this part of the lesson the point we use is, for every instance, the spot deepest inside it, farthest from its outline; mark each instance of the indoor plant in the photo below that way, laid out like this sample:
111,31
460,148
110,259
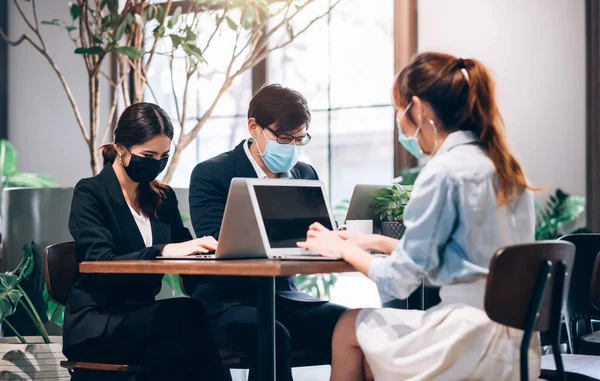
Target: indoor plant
136,33
20,192
389,207
26,358
558,216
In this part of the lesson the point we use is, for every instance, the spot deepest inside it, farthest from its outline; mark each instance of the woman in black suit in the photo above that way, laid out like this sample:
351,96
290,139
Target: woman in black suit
125,214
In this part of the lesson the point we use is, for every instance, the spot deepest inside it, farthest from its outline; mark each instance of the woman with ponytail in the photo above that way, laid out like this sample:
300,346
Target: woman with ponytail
470,199
124,213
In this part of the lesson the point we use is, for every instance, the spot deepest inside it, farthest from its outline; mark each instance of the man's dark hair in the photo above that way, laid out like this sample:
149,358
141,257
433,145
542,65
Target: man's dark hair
281,108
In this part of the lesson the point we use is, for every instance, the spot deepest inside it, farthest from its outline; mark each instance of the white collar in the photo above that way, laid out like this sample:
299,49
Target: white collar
259,172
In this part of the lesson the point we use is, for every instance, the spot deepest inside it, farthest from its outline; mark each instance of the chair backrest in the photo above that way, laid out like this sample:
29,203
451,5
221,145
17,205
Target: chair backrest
513,282
579,303
60,268
595,285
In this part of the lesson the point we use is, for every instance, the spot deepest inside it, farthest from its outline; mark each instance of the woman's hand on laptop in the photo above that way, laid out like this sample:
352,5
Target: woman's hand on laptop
362,240
325,243
201,245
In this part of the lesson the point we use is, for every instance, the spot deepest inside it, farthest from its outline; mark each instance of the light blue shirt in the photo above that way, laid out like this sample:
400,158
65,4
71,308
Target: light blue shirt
453,222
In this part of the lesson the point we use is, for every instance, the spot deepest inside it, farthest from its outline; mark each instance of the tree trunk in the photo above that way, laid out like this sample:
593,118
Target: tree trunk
94,95
179,147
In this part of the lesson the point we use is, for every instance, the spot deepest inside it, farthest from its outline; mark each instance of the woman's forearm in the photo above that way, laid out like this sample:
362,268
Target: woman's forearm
384,244
358,258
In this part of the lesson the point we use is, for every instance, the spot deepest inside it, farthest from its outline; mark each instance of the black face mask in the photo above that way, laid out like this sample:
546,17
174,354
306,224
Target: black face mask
145,169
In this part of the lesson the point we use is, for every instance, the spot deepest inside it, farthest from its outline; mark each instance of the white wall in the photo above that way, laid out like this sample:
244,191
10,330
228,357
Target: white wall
536,50
41,123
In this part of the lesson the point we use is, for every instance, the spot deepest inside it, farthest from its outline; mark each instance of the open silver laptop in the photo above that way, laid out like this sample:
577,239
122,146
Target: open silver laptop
265,218
362,204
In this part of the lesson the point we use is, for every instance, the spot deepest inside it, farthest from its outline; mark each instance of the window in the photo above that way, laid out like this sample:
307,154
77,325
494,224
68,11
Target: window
227,124
344,66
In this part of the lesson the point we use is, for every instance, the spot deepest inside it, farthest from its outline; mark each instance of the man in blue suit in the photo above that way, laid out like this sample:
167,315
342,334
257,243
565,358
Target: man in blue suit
278,121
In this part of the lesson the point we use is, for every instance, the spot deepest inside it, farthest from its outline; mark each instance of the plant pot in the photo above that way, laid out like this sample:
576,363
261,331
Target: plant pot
393,229
35,361
33,214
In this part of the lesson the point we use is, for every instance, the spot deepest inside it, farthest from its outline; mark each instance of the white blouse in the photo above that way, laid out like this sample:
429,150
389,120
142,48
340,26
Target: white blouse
144,226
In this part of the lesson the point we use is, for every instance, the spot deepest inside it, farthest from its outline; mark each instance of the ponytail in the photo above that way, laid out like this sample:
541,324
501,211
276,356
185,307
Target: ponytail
485,119
109,153
461,91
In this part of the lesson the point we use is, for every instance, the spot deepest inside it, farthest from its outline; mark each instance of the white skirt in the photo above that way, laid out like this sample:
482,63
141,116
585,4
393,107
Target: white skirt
454,341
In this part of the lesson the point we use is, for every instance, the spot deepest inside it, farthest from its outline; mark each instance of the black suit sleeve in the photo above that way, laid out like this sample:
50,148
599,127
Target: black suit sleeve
316,175
179,233
207,202
88,227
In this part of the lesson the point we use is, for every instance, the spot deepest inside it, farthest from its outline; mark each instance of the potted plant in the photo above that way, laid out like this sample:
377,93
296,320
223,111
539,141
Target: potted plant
559,216
389,207
26,358
137,33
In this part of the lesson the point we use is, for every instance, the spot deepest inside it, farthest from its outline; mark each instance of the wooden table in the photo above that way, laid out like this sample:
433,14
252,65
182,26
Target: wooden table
264,270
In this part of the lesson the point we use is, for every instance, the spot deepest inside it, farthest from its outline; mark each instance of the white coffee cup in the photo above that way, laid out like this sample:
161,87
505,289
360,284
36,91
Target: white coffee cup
358,226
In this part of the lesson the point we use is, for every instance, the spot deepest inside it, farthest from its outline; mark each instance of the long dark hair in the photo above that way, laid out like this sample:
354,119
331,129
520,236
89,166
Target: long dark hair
462,94
137,124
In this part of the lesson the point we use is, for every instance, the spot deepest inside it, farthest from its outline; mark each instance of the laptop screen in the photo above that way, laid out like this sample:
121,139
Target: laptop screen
288,211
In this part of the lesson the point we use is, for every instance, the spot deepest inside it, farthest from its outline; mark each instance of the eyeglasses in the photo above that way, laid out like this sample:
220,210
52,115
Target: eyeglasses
287,139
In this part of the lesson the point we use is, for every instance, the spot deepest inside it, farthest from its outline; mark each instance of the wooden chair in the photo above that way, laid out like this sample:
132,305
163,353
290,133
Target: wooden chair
525,290
579,311
60,268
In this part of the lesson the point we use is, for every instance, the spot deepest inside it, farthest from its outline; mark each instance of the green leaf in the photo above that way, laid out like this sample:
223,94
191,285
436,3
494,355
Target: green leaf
90,50
184,217
28,180
176,40
172,280
190,35
113,6
54,312
55,22
121,28
130,51
151,12
390,202
8,158
175,17
71,28
231,23
192,50
25,267
290,30
9,300
74,9
98,40
251,14
159,31
160,13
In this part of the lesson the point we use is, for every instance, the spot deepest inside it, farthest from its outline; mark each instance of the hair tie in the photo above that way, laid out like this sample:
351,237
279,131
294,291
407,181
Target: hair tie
463,68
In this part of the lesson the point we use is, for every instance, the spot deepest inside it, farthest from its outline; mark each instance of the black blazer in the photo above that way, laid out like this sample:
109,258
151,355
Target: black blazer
104,230
209,187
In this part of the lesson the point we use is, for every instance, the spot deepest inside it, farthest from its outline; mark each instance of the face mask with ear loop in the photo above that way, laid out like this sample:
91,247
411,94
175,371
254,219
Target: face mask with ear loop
411,143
